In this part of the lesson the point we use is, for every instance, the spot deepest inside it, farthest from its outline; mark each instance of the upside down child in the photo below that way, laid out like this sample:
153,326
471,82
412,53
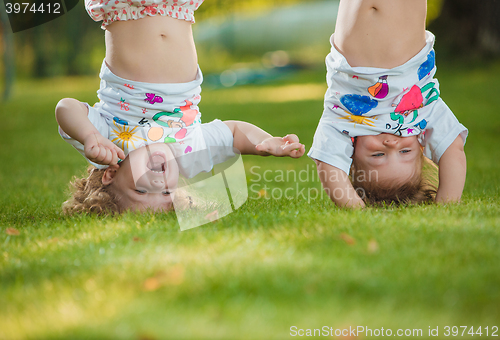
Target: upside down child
148,111
383,111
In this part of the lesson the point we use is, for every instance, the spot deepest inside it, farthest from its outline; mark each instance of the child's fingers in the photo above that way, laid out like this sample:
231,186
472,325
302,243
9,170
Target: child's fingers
298,152
291,138
288,148
109,156
91,150
102,154
112,146
120,153
113,157
261,147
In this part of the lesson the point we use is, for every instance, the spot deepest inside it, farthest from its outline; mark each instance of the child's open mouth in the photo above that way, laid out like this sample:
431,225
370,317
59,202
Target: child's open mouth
157,163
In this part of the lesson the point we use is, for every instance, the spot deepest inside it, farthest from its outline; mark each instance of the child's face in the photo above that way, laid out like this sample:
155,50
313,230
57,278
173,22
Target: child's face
388,159
146,179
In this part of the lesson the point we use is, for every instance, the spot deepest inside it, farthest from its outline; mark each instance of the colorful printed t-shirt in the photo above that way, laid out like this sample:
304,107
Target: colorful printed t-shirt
134,114
404,101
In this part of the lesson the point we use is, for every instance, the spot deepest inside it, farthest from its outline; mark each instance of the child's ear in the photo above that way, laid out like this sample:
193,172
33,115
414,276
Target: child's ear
109,174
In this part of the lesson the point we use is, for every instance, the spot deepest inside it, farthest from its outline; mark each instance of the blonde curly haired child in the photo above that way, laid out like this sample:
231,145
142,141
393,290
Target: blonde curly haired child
148,114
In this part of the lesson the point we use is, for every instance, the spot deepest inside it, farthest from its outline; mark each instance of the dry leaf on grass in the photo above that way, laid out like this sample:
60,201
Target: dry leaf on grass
263,193
372,246
172,277
12,231
213,216
146,337
347,239
151,284
346,333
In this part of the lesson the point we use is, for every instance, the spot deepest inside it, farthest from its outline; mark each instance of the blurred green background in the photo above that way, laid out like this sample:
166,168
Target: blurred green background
229,32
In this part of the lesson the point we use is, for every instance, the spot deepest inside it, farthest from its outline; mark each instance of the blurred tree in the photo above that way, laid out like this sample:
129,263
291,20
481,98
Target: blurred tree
226,7
433,9
63,46
8,55
468,27
39,41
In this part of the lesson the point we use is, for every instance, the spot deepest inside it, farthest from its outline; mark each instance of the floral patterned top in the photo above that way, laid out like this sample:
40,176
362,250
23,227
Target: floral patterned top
109,11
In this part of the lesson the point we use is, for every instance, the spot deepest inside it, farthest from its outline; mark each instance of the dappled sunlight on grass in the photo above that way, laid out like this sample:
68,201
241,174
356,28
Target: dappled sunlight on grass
268,94
271,264
68,87
55,87
84,303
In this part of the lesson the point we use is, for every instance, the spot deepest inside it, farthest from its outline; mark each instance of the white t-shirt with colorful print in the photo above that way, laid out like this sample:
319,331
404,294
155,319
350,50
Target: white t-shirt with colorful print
404,101
134,114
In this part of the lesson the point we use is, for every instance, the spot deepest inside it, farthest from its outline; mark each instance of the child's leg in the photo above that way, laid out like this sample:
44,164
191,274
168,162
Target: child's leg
380,33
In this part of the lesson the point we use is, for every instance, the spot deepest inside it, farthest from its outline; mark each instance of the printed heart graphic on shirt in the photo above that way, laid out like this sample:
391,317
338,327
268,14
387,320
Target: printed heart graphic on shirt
188,149
411,101
358,105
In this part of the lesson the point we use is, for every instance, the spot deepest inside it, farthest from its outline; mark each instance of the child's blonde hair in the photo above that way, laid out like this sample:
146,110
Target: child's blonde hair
89,195
421,188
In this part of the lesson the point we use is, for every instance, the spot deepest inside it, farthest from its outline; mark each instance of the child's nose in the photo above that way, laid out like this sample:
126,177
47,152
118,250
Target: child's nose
390,142
158,183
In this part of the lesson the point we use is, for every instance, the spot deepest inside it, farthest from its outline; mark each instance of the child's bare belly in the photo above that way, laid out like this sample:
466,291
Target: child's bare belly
380,33
155,49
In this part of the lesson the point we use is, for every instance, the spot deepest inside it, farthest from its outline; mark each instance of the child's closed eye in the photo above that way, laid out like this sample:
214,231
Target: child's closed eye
405,151
142,192
380,154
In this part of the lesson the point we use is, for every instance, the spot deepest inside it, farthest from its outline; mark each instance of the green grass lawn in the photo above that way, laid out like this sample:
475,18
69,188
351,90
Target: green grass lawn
273,264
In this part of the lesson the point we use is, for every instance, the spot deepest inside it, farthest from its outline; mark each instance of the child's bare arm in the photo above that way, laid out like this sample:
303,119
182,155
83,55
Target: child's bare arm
452,172
338,187
71,115
251,140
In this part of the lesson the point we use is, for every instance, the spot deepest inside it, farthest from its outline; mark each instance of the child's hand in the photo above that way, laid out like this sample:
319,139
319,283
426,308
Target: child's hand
286,146
101,150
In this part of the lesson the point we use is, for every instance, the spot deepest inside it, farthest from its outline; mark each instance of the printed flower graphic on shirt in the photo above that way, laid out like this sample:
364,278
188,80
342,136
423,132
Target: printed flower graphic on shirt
123,135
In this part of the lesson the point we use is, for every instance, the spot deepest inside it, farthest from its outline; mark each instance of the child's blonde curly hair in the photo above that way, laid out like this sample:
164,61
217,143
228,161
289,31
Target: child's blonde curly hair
421,188
89,195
